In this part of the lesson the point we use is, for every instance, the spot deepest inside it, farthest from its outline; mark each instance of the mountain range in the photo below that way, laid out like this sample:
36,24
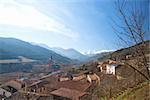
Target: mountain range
76,55
70,53
11,48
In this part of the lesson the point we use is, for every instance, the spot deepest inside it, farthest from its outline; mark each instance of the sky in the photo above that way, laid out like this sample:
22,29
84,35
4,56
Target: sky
80,24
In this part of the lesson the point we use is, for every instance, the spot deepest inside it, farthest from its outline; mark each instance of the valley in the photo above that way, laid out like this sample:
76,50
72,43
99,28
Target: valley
51,73
74,50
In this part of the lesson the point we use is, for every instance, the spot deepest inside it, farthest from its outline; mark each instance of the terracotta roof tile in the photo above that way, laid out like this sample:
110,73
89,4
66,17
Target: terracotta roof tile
76,85
68,93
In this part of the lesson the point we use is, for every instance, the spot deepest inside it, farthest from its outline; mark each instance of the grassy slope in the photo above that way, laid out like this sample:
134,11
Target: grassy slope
140,92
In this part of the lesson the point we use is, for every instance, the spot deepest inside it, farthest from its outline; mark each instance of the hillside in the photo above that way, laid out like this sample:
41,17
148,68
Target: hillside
124,84
122,53
11,48
99,55
140,92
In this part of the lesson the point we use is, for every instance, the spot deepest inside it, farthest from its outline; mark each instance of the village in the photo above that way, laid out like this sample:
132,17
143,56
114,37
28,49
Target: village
74,50
75,84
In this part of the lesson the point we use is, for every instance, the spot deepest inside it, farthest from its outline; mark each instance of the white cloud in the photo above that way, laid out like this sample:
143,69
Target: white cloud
101,51
93,52
16,14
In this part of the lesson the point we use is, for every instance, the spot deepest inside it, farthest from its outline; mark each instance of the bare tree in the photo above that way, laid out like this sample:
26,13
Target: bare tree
133,28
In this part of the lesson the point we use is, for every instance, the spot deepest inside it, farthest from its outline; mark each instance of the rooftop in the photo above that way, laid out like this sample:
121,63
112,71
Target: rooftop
70,84
110,62
68,93
9,89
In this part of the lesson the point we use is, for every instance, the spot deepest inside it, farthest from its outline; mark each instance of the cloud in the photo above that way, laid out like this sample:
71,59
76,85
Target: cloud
17,14
101,51
93,52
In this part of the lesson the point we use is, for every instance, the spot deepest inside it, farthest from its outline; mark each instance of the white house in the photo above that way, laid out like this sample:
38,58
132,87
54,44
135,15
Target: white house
108,67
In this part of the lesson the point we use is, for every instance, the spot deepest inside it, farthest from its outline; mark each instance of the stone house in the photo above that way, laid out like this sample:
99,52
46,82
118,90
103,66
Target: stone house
7,91
17,84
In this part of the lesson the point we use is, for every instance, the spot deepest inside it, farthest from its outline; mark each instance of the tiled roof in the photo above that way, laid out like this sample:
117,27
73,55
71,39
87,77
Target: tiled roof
76,85
68,93
105,63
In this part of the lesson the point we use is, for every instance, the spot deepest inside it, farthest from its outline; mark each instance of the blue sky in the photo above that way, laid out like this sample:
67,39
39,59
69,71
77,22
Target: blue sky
80,24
